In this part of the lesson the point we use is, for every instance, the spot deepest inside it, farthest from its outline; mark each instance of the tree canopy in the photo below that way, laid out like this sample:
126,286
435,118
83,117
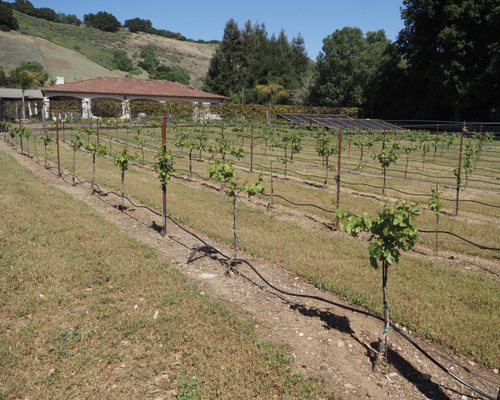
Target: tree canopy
102,20
138,25
347,67
453,53
248,63
7,20
28,75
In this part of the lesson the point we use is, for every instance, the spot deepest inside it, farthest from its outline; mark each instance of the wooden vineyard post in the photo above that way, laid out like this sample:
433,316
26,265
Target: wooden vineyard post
251,151
57,147
459,169
271,200
163,186
337,179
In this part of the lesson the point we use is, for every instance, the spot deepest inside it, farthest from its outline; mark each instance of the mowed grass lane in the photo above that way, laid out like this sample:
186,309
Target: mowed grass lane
435,300
88,312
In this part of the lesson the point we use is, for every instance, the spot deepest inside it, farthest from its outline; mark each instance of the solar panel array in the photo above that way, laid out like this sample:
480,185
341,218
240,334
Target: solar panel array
339,121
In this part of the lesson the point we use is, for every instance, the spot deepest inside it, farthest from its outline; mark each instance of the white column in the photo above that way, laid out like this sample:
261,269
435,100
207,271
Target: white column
46,108
30,111
126,115
86,108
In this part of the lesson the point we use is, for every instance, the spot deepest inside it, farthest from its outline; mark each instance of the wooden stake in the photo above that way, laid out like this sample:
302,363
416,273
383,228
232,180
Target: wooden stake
251,152
458,173
58,154
339,158
164,187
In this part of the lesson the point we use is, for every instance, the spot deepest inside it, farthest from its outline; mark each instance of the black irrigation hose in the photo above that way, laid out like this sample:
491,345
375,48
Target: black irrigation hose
418,194
480,246
299,204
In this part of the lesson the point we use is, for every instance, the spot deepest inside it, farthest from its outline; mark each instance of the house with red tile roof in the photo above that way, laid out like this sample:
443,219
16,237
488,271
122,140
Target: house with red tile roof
126,90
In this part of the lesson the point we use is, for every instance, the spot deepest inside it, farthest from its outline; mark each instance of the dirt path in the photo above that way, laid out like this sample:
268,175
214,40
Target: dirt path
328,343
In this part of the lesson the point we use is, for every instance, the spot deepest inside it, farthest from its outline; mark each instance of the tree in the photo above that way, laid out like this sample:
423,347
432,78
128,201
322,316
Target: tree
391,232
23,6
7,20
452,51
70,19
249,66
347,67
28,75
173,74
4,79
225,72
46,13
121,60
102,20
150,60
138,25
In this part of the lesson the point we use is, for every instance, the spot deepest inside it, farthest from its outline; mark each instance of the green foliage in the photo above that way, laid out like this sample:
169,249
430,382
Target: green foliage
173,74
97,149
164,165
76,142
103,21
28,74
392,231
46,139
224,173
22,131
189,389
452,53
121,60
469,156
138,25
123,158
436,201
251,67
4,79
7,20
386,158
150,60
346,67
70,19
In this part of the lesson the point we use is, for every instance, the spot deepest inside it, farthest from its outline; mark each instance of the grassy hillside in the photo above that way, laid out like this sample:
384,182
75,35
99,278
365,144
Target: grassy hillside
57,60
98,46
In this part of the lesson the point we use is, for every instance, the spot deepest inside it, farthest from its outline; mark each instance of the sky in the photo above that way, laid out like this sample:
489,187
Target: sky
203,19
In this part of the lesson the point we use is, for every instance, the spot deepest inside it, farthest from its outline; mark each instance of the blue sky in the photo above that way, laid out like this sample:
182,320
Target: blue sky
202,19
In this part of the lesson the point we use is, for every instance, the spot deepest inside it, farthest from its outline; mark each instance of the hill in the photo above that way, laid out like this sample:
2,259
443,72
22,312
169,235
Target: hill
78,52
57,60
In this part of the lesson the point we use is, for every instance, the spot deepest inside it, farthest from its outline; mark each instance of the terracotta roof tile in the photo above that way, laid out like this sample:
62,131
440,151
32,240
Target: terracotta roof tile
131,87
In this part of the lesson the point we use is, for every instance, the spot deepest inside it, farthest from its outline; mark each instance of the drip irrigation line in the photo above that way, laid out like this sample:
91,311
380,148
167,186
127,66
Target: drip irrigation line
299,204
480,246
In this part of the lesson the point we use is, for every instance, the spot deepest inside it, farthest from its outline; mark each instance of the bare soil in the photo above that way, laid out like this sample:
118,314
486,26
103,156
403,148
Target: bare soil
326,342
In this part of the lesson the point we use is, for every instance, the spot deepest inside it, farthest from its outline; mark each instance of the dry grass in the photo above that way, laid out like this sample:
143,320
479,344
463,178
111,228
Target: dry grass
432,299
77,306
